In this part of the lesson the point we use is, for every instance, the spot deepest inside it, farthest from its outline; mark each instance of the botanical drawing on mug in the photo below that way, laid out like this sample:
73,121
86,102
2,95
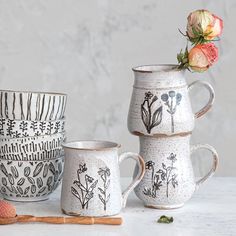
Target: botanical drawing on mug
166,176
150,120
171,104
103,195
85,191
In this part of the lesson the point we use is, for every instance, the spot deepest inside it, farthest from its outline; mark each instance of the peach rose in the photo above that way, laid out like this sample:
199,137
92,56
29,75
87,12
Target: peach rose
203,25
202,56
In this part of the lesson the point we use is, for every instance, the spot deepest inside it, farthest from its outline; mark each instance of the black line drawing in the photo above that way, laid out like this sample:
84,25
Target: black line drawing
84,192
6,105
10,126
49,127
34,125
23,126
172,100
1,104
104,197
18,129
34,180
155,180
150,119
31,106
33,148
42,126
2,123
165,175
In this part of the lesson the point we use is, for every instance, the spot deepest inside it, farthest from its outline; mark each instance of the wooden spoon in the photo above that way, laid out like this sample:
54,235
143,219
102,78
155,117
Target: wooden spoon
61,220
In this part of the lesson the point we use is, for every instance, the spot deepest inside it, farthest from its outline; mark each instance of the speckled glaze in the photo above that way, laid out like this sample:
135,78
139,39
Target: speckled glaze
169,179
91,182
160,103
30,181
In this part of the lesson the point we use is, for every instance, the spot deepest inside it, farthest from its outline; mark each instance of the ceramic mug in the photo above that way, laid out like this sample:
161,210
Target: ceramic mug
20,105
25,128
30,180
32,148
169,179
160,103
91,181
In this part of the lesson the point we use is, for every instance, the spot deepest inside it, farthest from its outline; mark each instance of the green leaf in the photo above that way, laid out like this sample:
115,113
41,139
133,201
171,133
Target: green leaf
165,219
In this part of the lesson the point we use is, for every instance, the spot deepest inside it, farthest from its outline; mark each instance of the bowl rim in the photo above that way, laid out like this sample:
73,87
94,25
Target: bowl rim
34,92
62,119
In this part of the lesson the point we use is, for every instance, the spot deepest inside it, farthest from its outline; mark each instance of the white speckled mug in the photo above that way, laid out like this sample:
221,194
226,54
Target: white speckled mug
169,179
160,103
91,181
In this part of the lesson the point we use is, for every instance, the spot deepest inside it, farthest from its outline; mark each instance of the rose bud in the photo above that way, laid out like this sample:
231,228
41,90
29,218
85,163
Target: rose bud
203,25
7,209
202,56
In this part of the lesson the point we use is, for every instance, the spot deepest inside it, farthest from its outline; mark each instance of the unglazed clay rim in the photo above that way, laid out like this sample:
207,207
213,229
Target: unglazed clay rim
104,146
157,68
34,92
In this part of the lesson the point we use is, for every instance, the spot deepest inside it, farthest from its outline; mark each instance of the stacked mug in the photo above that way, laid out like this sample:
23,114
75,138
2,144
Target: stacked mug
32,130
161,115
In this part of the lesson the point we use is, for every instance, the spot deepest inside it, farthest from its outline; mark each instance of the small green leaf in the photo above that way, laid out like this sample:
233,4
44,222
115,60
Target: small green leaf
165,219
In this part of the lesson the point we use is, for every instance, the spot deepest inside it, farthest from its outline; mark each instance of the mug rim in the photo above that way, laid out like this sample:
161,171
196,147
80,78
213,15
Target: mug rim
104,145
156,68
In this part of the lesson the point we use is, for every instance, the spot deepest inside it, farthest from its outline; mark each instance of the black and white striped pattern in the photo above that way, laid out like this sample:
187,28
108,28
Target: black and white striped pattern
32,106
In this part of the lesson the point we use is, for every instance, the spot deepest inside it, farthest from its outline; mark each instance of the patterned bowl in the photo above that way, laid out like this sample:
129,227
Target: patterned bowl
17,105
30,181
36,148
25,128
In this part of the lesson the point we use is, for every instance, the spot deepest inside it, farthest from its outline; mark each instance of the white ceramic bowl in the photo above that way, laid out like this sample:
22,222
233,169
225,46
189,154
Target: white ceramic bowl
32,105
26,128
30,180
32,148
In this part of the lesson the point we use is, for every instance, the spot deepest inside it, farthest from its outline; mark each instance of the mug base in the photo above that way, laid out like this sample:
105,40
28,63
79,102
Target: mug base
95,215
24,199
165,207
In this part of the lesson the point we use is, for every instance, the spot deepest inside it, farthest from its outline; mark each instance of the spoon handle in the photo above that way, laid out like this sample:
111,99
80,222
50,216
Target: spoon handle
71,220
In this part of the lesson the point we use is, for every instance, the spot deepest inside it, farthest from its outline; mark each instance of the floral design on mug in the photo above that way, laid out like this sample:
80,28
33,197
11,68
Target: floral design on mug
103,195
172,100
165,175
156,183
150,119
85,191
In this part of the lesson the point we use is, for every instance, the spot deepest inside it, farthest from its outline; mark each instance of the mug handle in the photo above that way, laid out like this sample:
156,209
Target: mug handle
210,102
138,177
214,164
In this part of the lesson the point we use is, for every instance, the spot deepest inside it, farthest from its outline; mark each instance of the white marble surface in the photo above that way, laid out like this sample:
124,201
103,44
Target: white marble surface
211,212
87,49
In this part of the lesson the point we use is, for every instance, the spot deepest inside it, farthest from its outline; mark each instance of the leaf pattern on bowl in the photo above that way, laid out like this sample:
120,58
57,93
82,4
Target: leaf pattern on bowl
34,180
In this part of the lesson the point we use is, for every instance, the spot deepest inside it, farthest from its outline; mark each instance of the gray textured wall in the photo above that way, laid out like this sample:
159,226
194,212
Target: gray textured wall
87,49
